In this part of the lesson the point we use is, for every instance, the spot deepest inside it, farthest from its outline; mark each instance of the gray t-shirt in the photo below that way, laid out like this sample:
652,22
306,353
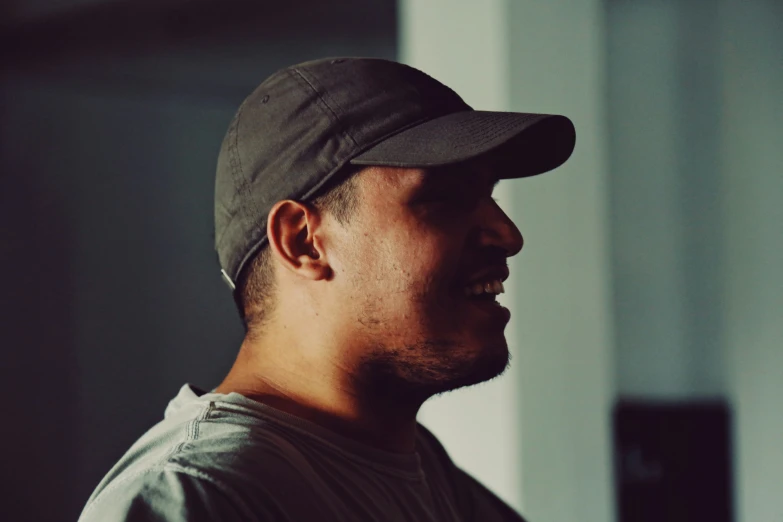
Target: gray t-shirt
226,457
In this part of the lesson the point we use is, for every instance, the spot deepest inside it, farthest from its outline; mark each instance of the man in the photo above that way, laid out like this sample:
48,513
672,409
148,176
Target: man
355,226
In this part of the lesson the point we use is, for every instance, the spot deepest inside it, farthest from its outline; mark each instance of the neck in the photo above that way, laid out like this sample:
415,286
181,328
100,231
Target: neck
325,391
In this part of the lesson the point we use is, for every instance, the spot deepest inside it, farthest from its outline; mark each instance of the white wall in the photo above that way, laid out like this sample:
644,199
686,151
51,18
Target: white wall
752,181
694,120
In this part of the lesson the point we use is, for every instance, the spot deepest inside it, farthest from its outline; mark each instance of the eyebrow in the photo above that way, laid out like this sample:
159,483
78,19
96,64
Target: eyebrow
441,179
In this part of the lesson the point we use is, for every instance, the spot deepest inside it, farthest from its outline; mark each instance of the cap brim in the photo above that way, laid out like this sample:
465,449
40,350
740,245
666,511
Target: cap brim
528,144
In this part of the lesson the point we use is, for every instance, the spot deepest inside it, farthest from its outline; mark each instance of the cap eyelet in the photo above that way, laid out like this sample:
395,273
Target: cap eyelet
265,99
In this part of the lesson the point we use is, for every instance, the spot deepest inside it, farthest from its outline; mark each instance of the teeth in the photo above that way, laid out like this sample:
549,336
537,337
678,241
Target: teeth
491,287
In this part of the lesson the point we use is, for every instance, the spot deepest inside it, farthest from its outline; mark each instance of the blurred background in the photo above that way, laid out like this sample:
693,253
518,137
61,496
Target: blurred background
647,304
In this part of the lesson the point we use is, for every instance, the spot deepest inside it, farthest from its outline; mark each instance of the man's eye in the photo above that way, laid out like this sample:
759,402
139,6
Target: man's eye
435,197
462,201
452,200
446,197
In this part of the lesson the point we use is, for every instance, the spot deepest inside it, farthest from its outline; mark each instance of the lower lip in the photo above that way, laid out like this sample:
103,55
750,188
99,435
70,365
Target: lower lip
492,308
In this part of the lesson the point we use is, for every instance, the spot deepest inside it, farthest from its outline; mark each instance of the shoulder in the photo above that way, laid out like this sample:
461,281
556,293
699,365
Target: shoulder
200,468
229,478
168,493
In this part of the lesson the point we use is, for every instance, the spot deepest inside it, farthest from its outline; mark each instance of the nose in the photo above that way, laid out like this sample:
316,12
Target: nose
497,229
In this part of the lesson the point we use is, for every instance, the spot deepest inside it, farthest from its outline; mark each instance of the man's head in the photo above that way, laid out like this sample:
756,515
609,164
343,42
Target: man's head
386,259
354,208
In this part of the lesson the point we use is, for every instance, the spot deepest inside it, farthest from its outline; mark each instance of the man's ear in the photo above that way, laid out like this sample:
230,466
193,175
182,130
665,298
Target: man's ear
293,230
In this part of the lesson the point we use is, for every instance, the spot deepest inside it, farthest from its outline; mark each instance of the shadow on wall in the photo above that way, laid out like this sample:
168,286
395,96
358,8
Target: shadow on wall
40,372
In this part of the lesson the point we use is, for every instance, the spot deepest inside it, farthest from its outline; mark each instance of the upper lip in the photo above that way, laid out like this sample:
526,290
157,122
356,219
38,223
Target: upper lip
489,274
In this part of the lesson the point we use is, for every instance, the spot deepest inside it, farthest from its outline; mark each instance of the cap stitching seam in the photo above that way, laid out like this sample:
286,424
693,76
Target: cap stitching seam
237,161
322,101
240,182
236,164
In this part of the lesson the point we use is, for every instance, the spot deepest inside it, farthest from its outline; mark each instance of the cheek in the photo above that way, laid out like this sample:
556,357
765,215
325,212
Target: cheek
411,266
402,258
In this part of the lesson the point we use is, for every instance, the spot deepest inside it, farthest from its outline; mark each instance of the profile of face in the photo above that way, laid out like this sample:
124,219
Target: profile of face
401,269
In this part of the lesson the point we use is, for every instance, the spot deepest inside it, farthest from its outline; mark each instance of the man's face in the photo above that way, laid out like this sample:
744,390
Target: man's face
418,238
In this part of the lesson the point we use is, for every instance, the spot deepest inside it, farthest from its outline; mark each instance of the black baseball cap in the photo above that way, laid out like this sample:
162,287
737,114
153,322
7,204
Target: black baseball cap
305,123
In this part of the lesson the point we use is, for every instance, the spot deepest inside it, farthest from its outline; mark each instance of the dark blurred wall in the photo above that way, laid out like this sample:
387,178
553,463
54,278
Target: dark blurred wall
112,117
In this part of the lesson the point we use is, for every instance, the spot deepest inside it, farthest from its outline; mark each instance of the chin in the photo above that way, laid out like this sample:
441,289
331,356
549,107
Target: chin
490,361
422,370
493,360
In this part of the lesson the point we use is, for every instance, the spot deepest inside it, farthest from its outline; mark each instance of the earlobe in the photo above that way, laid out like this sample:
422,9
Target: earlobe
292,230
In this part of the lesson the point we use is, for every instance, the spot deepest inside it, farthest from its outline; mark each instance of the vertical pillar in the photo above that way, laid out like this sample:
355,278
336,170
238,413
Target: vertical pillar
539,436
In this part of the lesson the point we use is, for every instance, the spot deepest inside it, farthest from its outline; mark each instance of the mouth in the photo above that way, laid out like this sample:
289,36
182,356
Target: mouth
483,297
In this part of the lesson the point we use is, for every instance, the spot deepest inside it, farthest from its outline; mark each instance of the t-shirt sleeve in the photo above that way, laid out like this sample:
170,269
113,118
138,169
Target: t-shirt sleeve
169,495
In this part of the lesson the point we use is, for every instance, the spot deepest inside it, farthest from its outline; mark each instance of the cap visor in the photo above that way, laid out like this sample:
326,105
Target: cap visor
527,144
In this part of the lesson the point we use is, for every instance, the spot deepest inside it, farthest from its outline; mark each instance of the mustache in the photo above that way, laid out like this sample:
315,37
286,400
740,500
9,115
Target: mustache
491,256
